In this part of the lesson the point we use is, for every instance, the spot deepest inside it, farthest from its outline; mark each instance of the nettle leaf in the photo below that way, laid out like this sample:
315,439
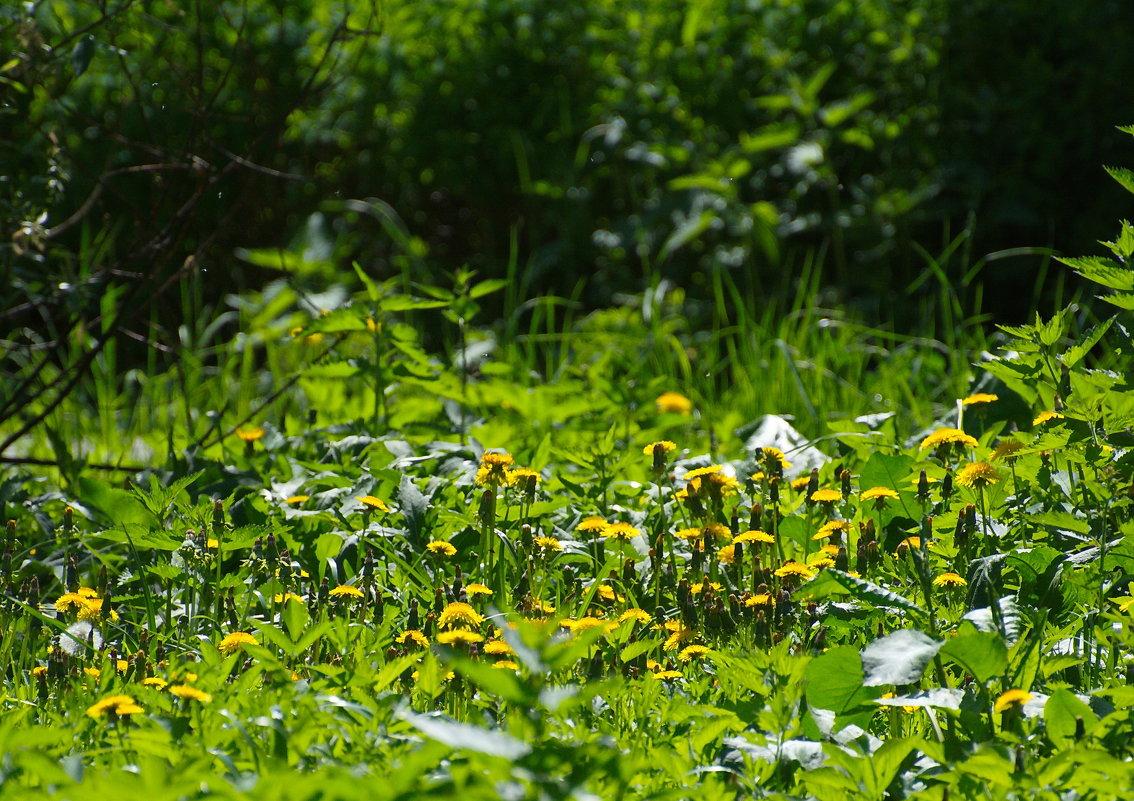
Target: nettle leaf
1011,619
834,681
1074,354
873,593
465,736
1106,272
898,658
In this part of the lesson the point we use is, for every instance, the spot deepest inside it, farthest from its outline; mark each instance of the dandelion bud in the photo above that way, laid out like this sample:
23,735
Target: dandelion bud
774,490
947,486
756,517
923,486
842,561
812,484
845,479
414,620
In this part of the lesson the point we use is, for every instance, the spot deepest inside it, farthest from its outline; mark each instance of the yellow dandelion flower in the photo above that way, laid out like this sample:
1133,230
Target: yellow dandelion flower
826,496
118,705
70,600
820,560
769,454
250,433
880,494
39,671
947,437
286,598
592,525
296,499
87,592
607,593
663,447
588,623
494,469
475,589
978,475
761,599
692,652
793,569
703,471
1005,450
949,580
459,615
700,586
506,664
666,675
688,533
673,403
346,592
441,548
754,535
459,637
412,637
635,614
620,531
908,544
1044,416
550,544
155,682
678,638
727,554
190,693
800,483
980,397
829,529
1011,699
498,648
716,531
373,502
93,672
231,643
524,478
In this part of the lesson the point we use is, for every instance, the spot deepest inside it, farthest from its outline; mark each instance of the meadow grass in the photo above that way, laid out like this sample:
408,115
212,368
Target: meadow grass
784,555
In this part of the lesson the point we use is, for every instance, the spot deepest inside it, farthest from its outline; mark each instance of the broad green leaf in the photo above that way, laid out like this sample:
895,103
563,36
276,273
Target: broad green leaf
1060,714
834,681
117,506
937,698
413,504
898,658
465,736
886,762
1123,176
981,653
487,287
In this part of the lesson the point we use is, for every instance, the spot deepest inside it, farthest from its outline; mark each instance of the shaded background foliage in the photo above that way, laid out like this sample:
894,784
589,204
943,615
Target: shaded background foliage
583,150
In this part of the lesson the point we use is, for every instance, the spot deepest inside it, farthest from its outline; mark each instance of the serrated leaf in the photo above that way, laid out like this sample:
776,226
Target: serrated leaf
1124,176
872,593
898,658
1010,618
1106,272
1123,300
1074,354
465,736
